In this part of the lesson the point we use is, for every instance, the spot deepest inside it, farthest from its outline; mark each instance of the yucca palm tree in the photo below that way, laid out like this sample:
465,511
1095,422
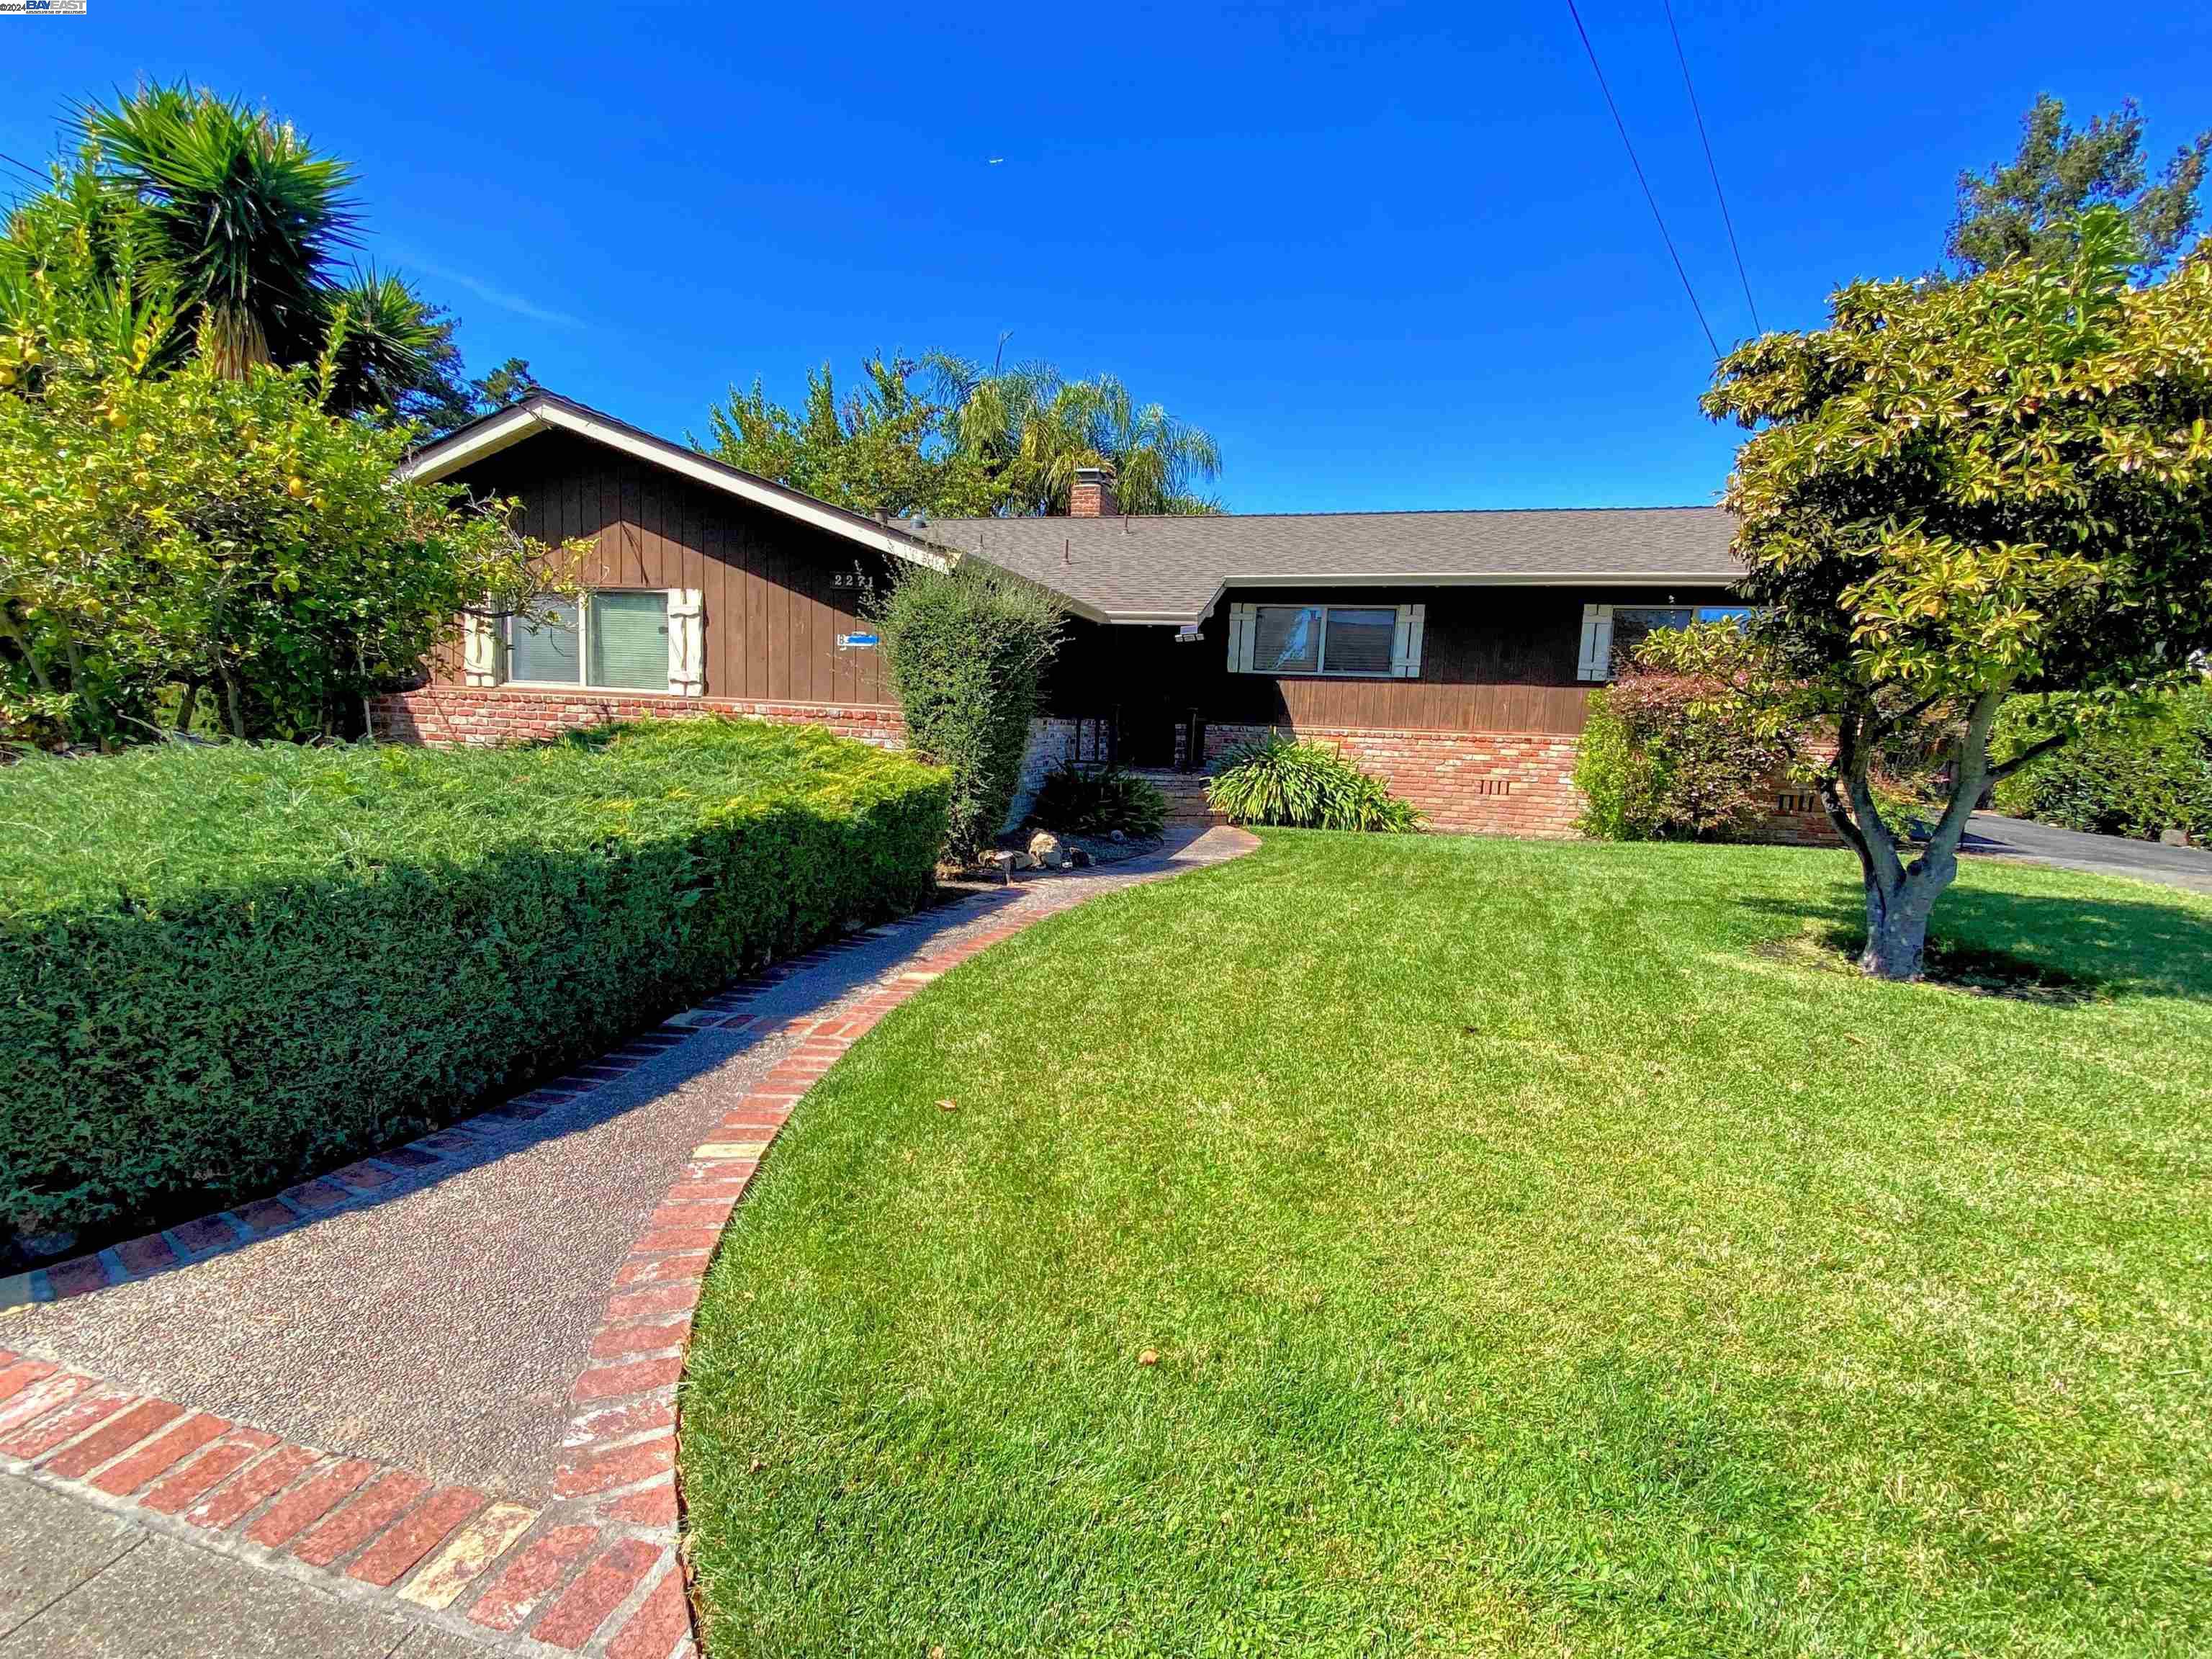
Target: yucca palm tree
395,350
249,216
1034,429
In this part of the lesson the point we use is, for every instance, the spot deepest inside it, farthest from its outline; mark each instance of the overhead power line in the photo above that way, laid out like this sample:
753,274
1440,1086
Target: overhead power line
1657,218
1719,195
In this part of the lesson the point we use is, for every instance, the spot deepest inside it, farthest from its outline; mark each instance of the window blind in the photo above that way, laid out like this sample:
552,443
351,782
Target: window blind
547,652
629,641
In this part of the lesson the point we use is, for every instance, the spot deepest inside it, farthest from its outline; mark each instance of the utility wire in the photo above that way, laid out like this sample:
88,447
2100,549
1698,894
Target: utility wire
1652,200
1719,195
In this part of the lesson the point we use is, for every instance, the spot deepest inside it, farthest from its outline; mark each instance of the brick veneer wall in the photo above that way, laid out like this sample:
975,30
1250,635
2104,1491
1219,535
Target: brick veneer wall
504,713
1510,783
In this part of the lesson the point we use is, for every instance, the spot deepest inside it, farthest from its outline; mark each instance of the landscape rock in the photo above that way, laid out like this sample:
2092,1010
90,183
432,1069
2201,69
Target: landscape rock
1045,848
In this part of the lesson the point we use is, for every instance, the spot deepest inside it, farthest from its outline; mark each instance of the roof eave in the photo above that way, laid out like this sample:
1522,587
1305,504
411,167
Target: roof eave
1430,579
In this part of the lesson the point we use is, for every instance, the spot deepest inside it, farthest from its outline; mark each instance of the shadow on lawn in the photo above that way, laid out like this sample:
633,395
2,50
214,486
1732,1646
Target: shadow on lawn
2031,946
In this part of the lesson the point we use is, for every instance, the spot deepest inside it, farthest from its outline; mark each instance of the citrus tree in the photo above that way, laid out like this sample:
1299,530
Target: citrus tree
1958,493
165,536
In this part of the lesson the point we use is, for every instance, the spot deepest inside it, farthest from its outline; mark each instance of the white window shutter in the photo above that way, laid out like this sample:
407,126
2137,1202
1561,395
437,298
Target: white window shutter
687,656
1595,662
479,649
1240,639
1406,644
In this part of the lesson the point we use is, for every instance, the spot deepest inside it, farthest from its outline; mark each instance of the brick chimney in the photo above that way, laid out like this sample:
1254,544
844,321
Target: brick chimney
1092,496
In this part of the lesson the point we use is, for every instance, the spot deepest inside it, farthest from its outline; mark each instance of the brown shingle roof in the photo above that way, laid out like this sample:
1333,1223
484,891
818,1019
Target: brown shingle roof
1172,569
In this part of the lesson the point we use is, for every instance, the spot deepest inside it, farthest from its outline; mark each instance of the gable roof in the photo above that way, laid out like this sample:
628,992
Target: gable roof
1174,569
547,411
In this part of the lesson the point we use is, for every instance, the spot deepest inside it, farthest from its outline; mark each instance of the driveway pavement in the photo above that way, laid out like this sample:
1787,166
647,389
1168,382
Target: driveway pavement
1992,834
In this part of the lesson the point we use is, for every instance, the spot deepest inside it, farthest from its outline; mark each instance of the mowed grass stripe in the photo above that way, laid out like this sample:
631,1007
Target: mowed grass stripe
1544,1251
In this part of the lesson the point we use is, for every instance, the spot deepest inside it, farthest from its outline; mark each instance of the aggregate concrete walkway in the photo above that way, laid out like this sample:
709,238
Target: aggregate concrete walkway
438,1313
1993,835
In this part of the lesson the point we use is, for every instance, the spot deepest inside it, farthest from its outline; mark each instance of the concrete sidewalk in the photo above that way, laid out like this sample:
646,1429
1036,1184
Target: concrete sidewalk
79,1583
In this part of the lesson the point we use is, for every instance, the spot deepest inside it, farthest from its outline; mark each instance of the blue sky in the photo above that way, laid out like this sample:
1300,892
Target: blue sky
1392,256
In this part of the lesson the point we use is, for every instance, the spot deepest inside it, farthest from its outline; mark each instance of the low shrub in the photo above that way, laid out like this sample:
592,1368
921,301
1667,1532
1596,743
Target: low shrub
966,648
1309,785
2136,775
1098,803
223,968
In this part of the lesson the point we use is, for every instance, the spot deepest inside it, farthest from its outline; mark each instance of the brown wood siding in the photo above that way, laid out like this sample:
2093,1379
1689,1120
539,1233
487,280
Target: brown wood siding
1493,659
773,607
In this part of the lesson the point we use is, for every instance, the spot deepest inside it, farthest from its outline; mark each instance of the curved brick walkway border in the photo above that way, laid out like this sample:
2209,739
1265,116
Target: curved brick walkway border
597,1569
623,1441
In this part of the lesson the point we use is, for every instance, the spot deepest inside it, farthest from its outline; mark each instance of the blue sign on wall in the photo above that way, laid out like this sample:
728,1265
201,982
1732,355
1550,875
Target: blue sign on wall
858,642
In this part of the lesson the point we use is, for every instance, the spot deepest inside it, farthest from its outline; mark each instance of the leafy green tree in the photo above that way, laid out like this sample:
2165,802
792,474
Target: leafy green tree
167,535
2025,208
882,447
1959,492
949,438
1034,429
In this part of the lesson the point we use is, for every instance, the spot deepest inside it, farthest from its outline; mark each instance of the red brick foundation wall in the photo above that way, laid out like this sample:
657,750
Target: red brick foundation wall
504,713
1502,783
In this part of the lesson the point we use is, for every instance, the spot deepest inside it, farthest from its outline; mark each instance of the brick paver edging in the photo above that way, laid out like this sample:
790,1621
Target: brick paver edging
517,1577
619,1464
597,1569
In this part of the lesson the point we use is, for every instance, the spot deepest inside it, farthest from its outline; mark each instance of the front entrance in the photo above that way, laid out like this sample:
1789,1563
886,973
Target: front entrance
1153,734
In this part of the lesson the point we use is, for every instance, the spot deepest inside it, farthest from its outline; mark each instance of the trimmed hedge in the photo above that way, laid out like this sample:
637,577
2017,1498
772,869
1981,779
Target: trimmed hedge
966,649
223,969
2136,776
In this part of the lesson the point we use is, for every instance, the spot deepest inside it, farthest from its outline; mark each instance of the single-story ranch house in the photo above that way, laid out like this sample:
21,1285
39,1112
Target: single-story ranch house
1452,653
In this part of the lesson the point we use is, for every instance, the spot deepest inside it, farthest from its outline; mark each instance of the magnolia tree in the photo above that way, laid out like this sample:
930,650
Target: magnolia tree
1960,493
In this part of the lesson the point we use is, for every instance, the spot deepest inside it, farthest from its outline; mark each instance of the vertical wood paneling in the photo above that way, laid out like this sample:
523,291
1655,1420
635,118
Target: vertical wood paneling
1493,659
773,612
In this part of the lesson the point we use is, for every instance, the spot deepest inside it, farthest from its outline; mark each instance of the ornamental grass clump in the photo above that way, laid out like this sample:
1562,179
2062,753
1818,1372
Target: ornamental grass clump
1099,803
224,968
1305,786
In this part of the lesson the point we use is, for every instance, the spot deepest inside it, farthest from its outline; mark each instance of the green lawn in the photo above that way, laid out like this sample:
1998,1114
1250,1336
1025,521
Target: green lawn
1545,1252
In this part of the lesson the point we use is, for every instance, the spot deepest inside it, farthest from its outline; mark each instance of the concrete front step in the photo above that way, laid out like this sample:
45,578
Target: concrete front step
1185,792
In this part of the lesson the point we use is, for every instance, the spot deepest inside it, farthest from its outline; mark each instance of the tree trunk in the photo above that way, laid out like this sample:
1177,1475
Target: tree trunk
1897,932
1900,898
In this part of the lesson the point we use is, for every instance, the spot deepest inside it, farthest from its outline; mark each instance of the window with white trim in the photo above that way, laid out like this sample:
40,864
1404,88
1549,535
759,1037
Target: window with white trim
615,639
1611,633
1361,641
